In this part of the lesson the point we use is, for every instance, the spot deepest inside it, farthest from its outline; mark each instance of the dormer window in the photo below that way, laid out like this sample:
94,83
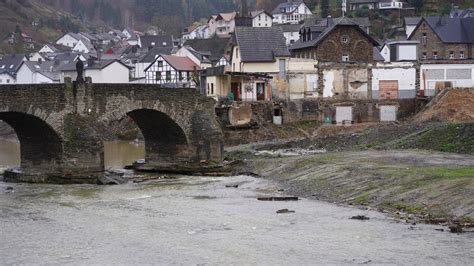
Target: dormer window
423,55
461,55
435,55
345,58
160,63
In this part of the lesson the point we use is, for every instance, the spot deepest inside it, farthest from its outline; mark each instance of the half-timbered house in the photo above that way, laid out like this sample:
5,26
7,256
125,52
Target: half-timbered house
172,71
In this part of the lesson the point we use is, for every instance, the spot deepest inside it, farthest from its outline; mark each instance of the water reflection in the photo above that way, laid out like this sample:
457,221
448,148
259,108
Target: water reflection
117,154
9,153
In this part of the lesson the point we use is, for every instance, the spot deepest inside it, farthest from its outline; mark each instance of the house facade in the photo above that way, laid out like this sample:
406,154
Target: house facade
342,41
291,11
37,73
224,24
69,40
444,38
172,71
7,79
103,71
261,18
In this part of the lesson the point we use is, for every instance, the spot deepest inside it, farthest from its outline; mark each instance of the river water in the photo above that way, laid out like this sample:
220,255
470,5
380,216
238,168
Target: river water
197,220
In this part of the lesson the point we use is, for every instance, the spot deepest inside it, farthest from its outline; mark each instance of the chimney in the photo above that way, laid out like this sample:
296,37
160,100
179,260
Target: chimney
329,21
90,61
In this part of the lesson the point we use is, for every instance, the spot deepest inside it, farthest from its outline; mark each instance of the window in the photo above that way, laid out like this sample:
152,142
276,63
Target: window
180,75
188,75
345,39
168,75
8,80
158,76
236,52
1,80
423,56
259,17
435,55
3,66
424,39
212,88
451,54
266,18
461,55
345,58
160,63
282,68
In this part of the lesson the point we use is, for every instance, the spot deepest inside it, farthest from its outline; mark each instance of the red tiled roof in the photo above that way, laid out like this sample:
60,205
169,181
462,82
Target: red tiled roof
180,62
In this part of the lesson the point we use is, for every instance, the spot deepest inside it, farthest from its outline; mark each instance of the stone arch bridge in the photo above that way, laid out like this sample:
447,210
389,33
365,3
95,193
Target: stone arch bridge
61,128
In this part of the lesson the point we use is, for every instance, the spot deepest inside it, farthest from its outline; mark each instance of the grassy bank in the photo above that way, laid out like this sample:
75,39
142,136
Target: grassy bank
418,185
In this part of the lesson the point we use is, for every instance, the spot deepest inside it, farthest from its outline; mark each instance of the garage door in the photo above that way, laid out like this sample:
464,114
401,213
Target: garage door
344,114
388,113
388,89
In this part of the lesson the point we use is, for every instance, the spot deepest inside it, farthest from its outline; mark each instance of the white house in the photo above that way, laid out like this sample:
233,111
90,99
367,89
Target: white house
291,32
199,58
196,32
211,22
6,78
261,18
69,39
391,4
171,71
84,46
35,57
37,73
291,11
104,71
400,51
47,49
224,24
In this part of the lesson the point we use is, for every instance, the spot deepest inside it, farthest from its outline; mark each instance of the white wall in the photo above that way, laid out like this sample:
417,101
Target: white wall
24,75
67,40
385,53
291,36
81,47
262,20
409,29
404,73
407,52
6,79
461,75
113,73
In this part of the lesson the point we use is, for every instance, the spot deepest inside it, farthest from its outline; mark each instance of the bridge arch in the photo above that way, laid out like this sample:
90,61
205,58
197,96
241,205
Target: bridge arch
165,140
40,144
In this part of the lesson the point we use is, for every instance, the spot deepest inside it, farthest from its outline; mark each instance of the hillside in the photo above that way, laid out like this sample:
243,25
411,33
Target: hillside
35,19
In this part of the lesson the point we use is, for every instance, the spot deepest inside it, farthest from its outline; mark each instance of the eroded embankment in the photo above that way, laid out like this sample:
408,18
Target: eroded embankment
424,185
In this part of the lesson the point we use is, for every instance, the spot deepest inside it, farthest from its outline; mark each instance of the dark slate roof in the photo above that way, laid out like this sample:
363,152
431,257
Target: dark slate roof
159,41
461,13
412,20
154,52
344,21
377,55
215,46
261,44
11,63
286,4
48,69
288,27
97,65
452,30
